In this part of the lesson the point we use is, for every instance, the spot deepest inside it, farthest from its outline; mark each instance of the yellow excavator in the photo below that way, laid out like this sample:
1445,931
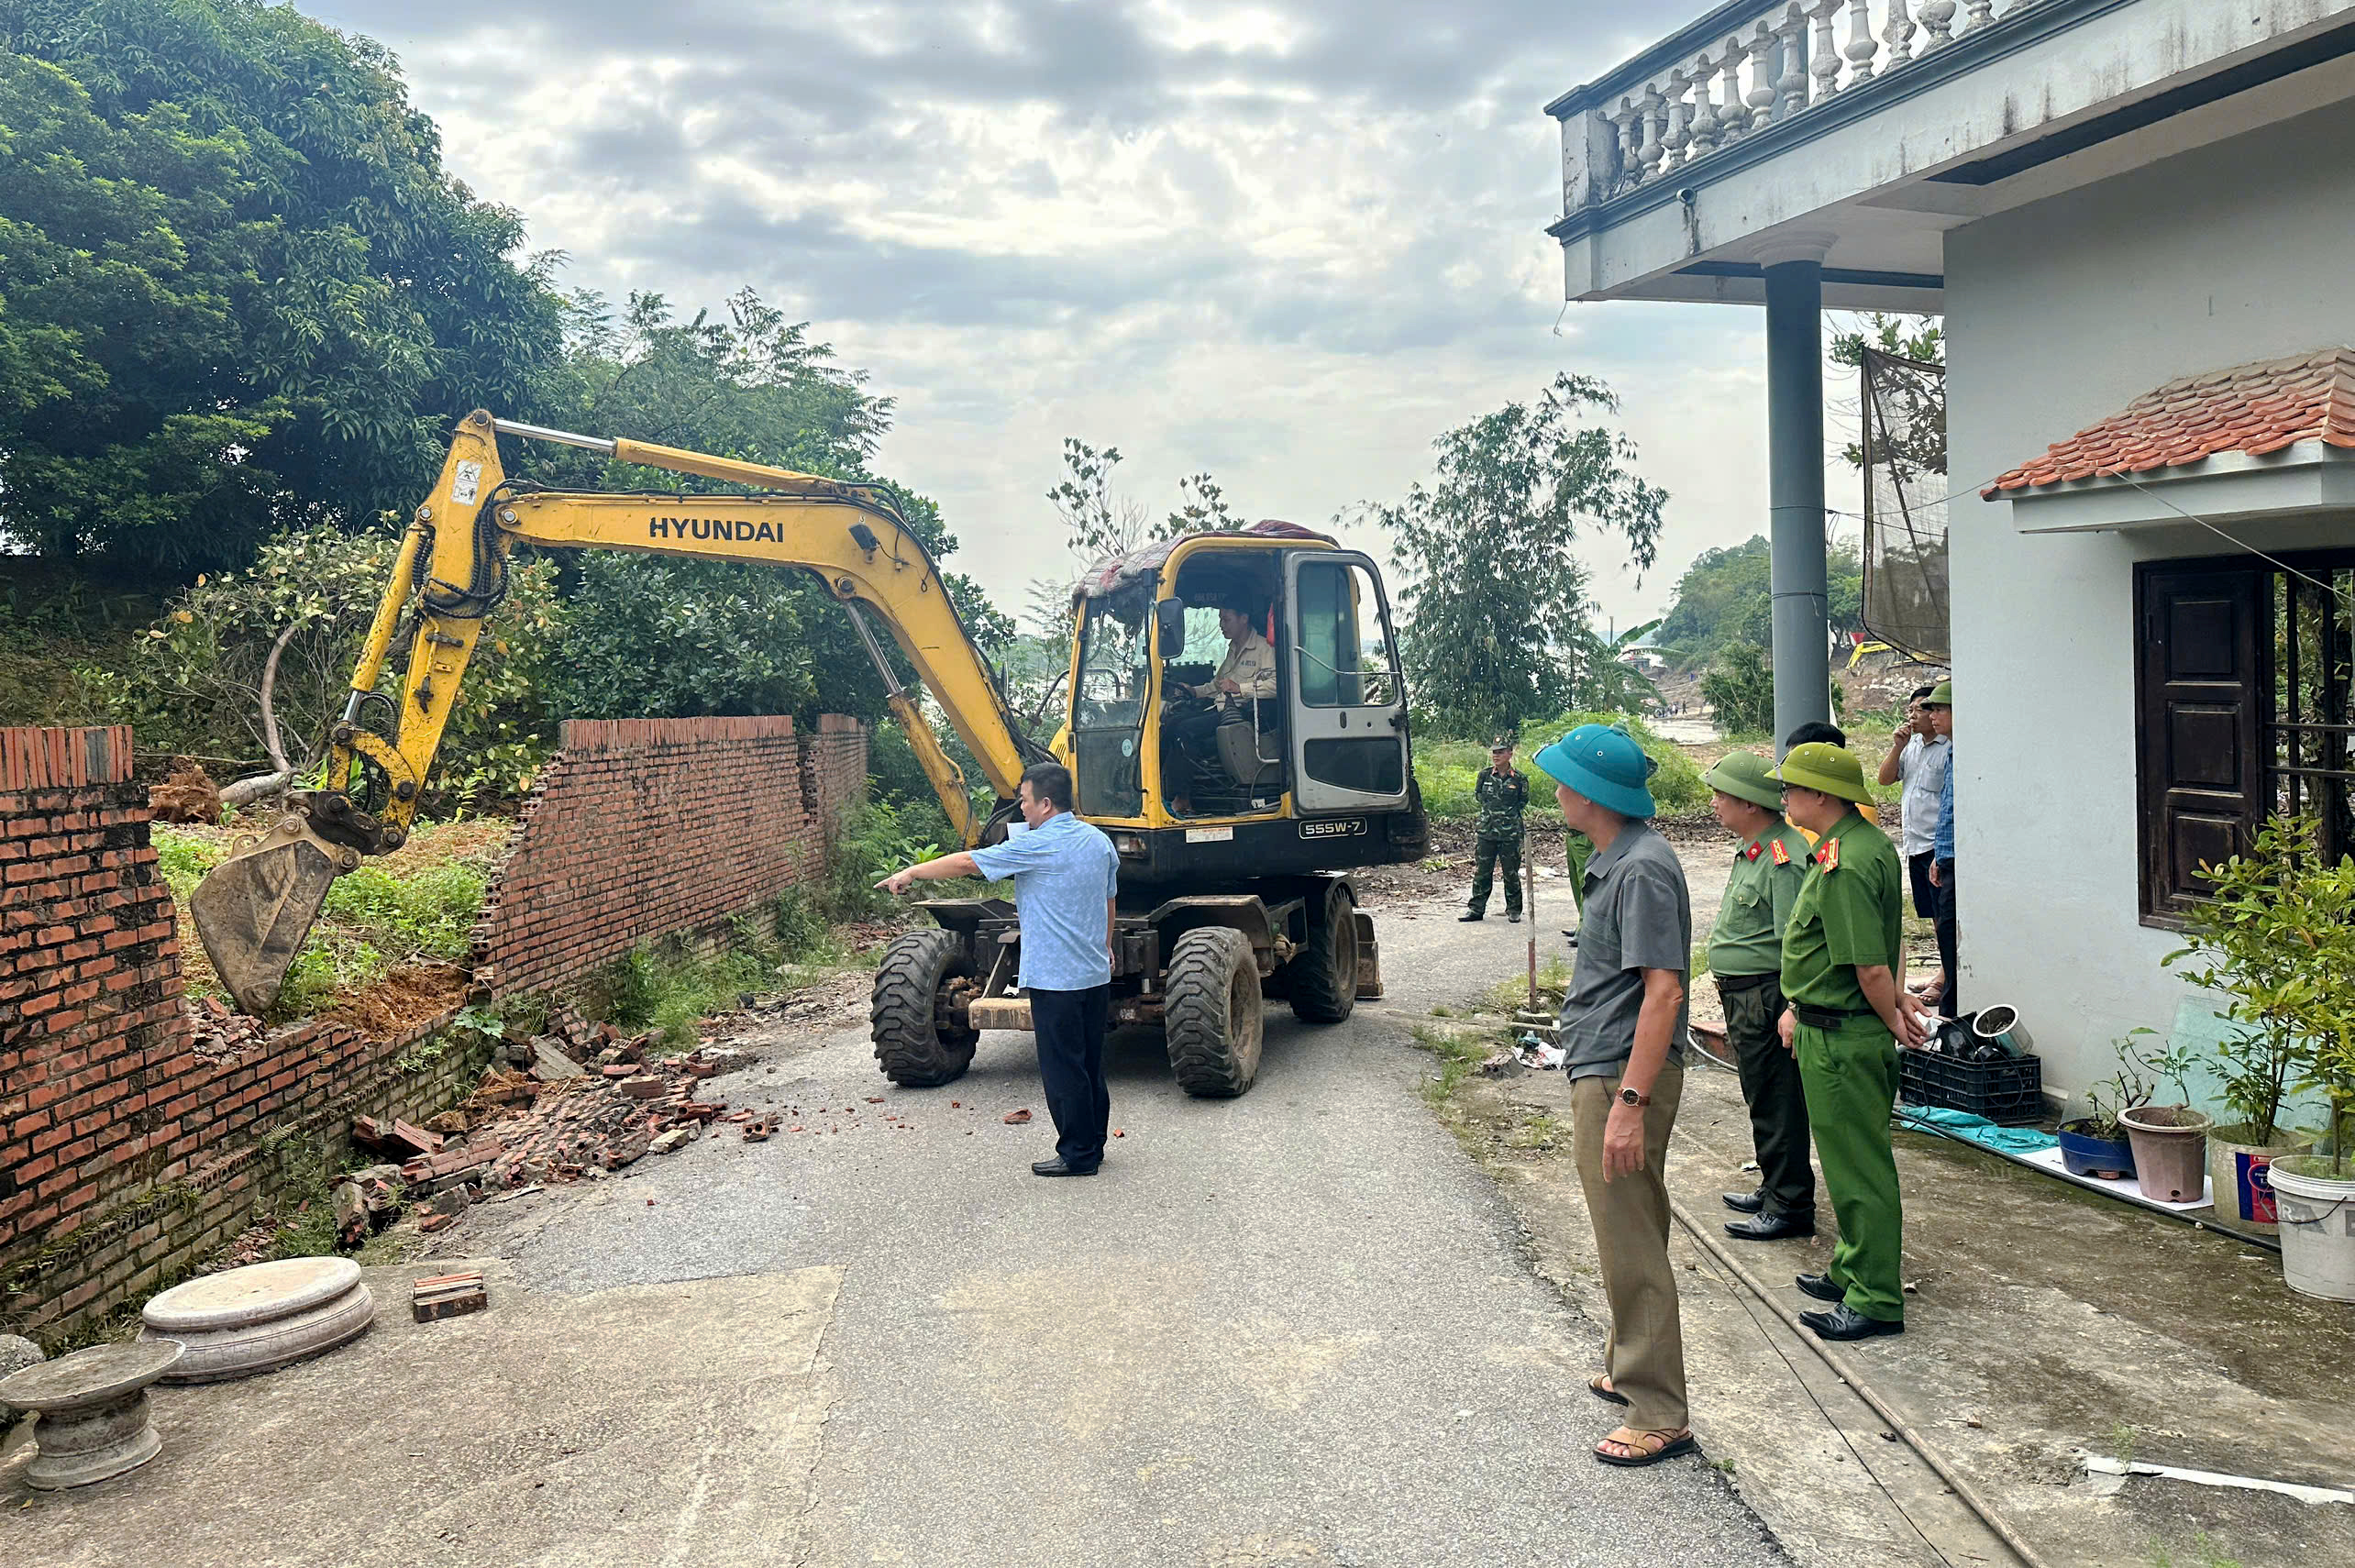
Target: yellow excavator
1237,813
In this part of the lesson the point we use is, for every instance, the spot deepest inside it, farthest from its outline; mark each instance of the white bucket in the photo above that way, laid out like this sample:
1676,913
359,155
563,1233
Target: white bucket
2317,1220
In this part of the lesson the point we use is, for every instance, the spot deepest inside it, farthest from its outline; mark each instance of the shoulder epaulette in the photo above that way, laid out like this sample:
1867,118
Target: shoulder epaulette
1828,854
1782,856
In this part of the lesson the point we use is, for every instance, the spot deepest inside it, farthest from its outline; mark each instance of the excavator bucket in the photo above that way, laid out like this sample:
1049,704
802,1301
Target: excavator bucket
254,910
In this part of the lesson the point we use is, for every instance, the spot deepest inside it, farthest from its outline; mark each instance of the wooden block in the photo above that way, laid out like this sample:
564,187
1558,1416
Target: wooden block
448,1296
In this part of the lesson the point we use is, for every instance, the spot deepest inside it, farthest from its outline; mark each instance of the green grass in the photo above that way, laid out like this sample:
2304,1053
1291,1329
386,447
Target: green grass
1511,993
1447,769
1460,1054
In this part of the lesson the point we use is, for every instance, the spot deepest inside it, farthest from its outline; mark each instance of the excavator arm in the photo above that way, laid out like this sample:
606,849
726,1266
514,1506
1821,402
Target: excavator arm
254,911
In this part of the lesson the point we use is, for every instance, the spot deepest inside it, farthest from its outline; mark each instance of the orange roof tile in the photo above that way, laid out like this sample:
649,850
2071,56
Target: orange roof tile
2253,409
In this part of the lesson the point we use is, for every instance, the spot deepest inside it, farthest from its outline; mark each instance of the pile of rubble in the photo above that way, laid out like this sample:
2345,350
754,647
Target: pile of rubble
562,1107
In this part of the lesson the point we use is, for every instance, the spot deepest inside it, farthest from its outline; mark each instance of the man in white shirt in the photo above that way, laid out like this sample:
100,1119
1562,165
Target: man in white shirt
1247,672
1921,755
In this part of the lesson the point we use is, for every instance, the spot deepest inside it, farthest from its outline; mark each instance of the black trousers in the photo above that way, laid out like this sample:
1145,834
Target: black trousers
1771,1088
1189,744
1947,1006
1069,1026
1925,892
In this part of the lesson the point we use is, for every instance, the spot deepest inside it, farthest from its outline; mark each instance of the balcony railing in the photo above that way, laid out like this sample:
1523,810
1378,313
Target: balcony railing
1762,62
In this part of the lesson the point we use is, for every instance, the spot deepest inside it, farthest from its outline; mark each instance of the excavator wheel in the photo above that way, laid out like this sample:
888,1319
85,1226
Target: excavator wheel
1213,1013
1321,980
915,1040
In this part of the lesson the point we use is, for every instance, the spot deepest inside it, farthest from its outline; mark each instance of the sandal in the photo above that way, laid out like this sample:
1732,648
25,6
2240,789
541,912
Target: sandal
1644,1448
1600,1388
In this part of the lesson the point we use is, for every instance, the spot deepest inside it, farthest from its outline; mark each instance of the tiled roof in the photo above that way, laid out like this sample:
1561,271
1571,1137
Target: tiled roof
2251,409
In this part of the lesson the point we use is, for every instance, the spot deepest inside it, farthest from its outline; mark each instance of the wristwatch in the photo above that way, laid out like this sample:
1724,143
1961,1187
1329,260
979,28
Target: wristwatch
1629,1097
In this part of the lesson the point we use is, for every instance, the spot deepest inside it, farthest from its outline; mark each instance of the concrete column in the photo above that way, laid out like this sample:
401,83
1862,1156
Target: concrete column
1794,482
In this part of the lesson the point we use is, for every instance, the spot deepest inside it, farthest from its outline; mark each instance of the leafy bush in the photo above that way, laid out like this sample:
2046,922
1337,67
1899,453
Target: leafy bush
1740,688
195,680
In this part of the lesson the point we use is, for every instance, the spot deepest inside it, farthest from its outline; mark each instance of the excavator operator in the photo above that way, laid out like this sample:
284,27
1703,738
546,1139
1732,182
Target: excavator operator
1189,728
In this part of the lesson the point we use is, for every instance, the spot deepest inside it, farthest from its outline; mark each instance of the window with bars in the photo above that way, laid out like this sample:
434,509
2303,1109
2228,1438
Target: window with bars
2243,673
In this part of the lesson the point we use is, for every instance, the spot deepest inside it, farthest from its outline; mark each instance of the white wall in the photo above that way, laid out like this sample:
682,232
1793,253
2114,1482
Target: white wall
2058,315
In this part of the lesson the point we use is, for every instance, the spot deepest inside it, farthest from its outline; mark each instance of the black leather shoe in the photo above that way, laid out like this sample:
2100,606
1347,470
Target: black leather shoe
1821,1286
1845,1322
1745,1202
1513,916
1769,1227
1473,914
1057,1168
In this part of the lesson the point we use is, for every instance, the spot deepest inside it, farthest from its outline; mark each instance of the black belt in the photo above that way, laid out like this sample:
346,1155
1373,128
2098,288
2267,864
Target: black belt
1728,984
1828,1017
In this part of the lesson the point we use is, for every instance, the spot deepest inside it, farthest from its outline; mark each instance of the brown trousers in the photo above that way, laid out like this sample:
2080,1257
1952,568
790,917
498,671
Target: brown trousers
1644,1355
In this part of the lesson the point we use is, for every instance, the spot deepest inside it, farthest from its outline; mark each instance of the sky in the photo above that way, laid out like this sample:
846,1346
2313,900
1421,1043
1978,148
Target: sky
1289,243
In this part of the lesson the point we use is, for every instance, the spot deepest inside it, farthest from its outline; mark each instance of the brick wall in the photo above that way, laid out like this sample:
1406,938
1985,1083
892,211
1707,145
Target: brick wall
650,827
128,1157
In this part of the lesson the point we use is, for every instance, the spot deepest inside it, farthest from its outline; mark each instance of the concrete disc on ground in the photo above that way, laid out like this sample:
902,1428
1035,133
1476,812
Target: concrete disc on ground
94,1412
259,1319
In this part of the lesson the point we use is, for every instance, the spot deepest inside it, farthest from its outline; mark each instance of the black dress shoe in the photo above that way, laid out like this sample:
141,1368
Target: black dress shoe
1769,1227
1513,916
1845,1322
1821,1286
1057,1168
1745,1202
1470,914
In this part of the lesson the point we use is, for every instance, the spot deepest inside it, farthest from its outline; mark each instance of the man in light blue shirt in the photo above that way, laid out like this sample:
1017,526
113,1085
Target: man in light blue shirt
1066,876
1939,706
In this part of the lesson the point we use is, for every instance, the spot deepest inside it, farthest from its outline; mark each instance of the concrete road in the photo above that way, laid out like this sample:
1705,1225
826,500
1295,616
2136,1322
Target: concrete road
1297,1327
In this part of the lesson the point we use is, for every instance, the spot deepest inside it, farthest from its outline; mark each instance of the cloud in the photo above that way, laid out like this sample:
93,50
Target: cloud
1288,243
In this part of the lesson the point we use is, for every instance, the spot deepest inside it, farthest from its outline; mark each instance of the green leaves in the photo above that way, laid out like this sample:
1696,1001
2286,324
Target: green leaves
1495,600
2277,937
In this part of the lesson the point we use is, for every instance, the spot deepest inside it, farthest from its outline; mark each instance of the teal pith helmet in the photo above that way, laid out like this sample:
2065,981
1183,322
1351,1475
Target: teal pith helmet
1819,764
1940,695
1746,776
1603,763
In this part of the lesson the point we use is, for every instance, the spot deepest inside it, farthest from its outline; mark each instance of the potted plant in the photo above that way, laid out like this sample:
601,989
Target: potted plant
2238,947
2303,910
2170,1141
2094,1144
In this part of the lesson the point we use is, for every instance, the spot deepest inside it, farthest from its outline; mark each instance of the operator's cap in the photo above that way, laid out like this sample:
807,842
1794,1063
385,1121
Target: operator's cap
1940,695
1746,776
1819,764
1502,743
1603,763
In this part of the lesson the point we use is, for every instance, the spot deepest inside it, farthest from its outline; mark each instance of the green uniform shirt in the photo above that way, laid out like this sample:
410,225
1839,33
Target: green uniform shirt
1847,914
1578,849
1501,799
1767,872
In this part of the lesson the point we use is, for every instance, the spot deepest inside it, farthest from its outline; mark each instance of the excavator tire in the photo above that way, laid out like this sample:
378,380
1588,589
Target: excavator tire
1213,1013
917,1046
1321,980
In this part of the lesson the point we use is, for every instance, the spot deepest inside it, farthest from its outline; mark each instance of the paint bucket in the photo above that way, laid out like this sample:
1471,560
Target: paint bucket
2317,1220
2239,1175
2170,1145
1994,1026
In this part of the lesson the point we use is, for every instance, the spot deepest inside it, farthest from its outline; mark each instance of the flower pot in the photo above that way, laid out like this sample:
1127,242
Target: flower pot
2169,1151
2085,1154
2318,1217
2237,1174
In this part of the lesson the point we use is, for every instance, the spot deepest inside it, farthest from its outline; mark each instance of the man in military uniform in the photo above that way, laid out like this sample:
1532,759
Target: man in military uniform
1502,796
1770,861
1845,1015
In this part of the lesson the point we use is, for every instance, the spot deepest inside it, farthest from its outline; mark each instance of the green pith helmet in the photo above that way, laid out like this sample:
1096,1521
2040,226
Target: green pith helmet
1819,764
1940,695
1746,776
1502,743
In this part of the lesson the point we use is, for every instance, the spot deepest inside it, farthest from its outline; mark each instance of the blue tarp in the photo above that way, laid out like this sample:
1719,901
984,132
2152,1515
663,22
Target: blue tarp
1974,1130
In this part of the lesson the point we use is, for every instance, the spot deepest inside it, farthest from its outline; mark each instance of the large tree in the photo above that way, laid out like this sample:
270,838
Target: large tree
1726,597
1496,597
237,289
654,635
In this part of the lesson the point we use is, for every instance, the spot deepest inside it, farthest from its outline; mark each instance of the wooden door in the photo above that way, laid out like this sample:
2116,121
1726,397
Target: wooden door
2200,667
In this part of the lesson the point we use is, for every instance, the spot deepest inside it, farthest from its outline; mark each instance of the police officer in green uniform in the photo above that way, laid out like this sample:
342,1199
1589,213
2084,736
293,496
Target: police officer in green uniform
1846,1014
1770,862
1502,796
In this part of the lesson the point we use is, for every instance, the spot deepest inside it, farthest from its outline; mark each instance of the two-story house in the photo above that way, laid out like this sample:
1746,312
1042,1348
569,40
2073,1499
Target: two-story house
2137,218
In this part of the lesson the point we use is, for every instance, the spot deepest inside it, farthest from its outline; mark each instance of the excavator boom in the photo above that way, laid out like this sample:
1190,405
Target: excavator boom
254,911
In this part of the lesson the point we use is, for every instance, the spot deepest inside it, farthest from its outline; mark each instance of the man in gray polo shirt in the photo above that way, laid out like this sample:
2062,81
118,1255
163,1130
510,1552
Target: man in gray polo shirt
1622,1033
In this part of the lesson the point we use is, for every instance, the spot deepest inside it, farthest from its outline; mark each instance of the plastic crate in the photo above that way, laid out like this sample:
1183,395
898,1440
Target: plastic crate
2008,1092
